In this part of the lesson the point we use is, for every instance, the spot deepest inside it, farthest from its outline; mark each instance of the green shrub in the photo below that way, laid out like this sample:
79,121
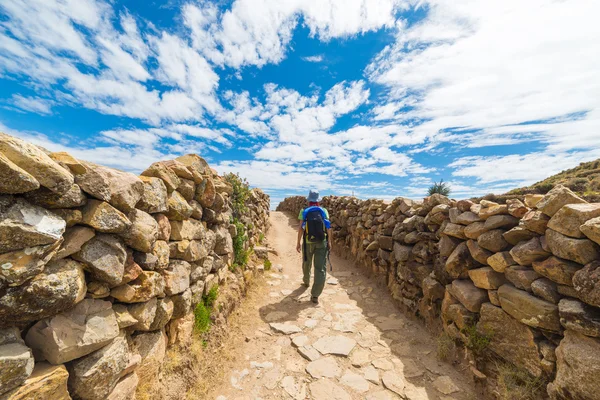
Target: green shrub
268,264
476,341
261,238
201,318
239,197
210,298
440,187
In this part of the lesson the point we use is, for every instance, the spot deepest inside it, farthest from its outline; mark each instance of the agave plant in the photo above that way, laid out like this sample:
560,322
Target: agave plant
440,187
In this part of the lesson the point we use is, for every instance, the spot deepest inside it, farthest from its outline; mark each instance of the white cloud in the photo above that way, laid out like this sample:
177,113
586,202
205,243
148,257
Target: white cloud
34,104
313,59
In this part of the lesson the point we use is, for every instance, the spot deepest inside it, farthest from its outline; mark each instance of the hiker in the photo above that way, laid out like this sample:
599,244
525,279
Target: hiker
316,230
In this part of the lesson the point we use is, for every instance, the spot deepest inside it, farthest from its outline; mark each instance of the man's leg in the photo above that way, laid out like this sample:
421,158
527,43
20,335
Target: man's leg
320,252
307,256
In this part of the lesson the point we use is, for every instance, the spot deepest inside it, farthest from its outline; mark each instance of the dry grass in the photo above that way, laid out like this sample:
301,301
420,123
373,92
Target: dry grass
446,347
516,384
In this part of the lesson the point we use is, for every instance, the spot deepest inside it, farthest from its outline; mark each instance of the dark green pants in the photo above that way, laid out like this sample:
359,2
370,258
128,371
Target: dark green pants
316,252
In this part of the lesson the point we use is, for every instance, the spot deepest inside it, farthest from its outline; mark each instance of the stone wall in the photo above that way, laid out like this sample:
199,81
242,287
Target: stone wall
522,279
100,270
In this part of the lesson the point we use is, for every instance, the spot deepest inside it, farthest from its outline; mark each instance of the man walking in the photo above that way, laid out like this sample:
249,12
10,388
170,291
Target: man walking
316,231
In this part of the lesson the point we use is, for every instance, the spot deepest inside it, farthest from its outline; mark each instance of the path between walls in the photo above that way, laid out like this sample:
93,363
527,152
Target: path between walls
382,353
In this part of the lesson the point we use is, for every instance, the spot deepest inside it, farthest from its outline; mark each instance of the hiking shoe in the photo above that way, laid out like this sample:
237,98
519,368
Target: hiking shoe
315,300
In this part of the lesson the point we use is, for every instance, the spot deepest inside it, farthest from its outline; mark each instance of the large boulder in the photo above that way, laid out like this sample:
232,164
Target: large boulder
500,222
87,327
525,253
581,251
528,309
187,188
147,285
474,230
577,368
579,317
151,347
144,313
492,240
142,233
161,171
178,207
558,270
556,198
510,339
104,218
121,189
104,256
46,198
154,198
36,163
195,164
164,312
177,277
487,278
570,217
518,234
591,229
224,242
500,261
521,277
187,230
480,254
546,289
94,376
535,221
47,382
206,193
455,230
468,294
460,261
587,283
17,267
25,225
14,179
58,287
188,250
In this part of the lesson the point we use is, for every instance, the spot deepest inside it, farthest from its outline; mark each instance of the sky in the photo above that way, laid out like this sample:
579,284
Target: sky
376,98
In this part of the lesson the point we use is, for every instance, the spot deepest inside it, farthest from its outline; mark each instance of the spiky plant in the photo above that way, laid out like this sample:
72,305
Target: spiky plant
440,187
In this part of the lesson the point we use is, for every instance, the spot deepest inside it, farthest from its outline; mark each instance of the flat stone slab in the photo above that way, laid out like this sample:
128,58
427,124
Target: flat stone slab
354,382
275,315
323,368
309,353
393,382
371,374
326,389
286,329
444,384
336,345
300,341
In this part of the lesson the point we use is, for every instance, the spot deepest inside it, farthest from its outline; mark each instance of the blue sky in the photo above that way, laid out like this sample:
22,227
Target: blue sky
373,97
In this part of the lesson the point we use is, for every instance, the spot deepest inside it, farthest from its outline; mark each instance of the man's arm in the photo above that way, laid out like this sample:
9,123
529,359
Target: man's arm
300,234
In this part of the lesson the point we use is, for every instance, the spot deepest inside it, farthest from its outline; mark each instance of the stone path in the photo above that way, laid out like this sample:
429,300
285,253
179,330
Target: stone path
354,345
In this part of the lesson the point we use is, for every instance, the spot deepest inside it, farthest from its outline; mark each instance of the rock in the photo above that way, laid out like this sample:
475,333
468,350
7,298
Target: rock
445,385
187,188
500,261
494,298
591,229
104,218
528,309
144,313
432,289
94,376
521,277
579,317
46,198
326,389
180,330
206,193
492,209
285,328
446,245
577,368
97,290
125,388
36,163
182,304
467,218
470,296
87,327
104,256
17,267
486,278
474,230
195,164
587,283
164,227
460,261
309,353
569,218
535,221
14,179
188,250
161,171
154,197
148,284
516,208
455,230
224,242
71,217
510,339
325,367
132,269
47,382
556,198
525,253
518,234
531,200
178,207
386,242
142,233
164,312
152,348
394,382
581,251
177,277
546,289
74,239
354,382
479,254
160,249
500,221
402,253
58,287
336,345
16,364
187,230
558,270
68,162
492,240
121,189
24,225
124,317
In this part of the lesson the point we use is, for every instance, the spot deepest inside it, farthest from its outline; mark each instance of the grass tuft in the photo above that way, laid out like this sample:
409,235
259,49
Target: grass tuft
476,341
445,346
268,264
516,384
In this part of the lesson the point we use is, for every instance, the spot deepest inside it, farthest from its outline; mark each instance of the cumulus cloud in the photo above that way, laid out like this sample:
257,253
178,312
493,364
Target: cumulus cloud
313,59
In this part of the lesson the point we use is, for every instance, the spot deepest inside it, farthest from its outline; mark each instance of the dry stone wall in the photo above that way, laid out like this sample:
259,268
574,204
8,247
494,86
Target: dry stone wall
100,270
522,279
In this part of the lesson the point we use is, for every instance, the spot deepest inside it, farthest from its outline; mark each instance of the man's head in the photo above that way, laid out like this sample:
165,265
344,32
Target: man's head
313,197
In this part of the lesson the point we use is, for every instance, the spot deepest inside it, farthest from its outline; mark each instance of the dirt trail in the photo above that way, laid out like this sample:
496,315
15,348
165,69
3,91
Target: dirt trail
360,345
